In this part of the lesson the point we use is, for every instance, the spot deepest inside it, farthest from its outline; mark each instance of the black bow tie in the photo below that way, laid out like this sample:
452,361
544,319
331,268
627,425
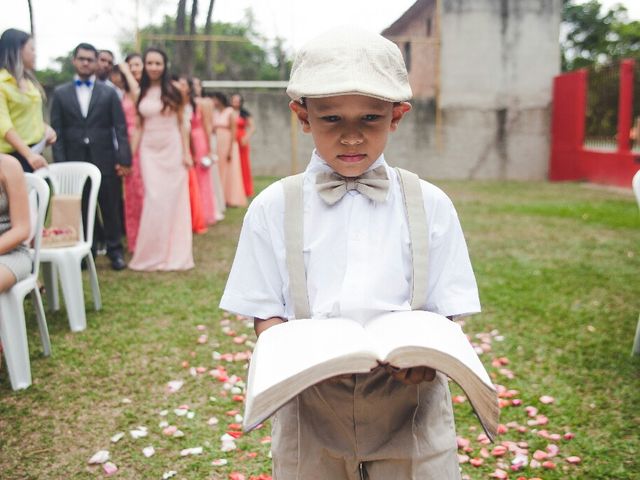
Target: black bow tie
79,83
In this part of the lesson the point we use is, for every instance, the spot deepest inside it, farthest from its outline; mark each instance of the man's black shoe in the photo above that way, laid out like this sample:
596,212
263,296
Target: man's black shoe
117,262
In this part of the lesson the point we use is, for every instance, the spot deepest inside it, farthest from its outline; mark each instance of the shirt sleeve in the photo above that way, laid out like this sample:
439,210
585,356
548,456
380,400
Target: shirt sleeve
255,285
452,287
5,118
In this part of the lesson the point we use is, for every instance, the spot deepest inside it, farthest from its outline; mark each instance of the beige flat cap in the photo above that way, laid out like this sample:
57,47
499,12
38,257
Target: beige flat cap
349,61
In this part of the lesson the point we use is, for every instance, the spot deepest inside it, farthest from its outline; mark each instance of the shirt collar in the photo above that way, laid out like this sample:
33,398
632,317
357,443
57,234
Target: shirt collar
92,79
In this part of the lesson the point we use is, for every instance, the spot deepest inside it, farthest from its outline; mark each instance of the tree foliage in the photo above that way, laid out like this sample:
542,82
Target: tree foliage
249,57
596,37
52,77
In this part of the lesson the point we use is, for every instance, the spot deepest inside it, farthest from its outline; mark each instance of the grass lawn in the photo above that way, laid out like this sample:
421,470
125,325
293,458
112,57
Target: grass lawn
558,269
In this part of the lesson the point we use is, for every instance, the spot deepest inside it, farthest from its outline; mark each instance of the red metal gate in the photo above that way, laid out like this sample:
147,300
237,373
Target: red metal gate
570,158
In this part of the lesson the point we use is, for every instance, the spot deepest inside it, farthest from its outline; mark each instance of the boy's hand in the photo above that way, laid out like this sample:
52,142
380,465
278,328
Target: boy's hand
411,376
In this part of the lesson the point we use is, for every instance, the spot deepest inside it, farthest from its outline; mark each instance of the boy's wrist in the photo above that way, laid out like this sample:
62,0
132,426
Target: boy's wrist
260,324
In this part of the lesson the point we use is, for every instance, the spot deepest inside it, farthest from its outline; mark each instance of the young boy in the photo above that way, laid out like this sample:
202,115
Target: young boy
357,256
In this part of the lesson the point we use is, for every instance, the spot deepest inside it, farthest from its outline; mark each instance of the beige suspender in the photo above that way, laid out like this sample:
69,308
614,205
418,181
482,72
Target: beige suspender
294,244
294,240
418,236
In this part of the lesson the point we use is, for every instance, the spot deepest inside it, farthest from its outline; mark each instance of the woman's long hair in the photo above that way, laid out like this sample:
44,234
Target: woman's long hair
244,113
222,98
192,93
170,95
12,42
132,55
116,71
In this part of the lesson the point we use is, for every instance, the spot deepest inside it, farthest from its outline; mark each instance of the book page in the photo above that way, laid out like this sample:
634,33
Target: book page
404,330
284,351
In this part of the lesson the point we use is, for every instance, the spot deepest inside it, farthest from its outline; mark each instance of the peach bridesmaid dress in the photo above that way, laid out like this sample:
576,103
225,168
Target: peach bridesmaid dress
229,160
164,237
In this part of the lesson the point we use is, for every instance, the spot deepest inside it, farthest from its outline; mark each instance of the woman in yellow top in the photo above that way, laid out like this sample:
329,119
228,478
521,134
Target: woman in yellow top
21,123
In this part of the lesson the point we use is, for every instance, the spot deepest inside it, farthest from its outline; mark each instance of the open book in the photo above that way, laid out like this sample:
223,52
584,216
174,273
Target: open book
292,356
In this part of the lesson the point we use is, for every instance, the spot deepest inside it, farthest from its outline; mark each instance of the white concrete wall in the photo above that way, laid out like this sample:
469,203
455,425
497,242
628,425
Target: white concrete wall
498,61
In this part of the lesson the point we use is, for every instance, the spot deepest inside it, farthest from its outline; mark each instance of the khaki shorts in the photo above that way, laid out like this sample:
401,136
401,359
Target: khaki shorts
367,426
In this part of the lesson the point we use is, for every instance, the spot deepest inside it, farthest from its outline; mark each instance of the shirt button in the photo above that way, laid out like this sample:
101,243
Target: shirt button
86,140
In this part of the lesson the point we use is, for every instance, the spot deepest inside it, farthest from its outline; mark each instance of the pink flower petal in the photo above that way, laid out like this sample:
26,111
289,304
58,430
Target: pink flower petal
170,430
552,450
546,399
499,451
498,473
462,442
573,460
109,468
174,385
540,455
542,420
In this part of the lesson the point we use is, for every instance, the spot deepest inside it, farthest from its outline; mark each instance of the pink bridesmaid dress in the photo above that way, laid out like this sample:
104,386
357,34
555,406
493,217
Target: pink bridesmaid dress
133,186
165,237
199,149
229,160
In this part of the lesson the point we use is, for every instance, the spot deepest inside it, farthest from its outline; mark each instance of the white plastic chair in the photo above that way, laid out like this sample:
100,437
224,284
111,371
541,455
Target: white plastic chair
69,178
636,189
13,332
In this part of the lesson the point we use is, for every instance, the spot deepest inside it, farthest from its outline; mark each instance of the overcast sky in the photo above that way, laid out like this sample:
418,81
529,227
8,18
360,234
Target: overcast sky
61,24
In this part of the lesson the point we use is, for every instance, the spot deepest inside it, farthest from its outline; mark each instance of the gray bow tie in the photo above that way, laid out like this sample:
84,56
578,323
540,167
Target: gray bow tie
374,184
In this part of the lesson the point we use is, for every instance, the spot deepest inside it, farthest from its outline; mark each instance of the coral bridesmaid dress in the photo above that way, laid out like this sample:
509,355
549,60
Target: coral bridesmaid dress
199,149
245,162
133,186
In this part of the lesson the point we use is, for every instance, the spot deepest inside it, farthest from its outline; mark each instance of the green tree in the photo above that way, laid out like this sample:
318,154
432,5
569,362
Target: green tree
52,77
594,37
249,57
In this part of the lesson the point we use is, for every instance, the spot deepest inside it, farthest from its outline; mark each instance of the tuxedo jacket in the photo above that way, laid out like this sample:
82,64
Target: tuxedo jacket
90,138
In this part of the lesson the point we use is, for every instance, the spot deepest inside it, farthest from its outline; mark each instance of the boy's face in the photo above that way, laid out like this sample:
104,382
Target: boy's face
349,131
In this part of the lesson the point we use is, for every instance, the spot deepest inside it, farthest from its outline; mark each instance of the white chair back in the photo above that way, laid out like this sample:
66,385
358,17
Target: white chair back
39,200
13,333
69,178
636,186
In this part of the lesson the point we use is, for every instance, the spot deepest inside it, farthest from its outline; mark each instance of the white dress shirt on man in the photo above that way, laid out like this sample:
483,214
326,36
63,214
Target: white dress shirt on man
83,93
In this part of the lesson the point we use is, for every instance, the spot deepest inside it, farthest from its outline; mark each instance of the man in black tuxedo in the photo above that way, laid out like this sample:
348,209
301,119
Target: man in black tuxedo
85,115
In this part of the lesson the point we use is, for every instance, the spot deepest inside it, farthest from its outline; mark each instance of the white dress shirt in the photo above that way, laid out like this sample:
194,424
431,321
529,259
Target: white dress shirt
83,93
357,255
